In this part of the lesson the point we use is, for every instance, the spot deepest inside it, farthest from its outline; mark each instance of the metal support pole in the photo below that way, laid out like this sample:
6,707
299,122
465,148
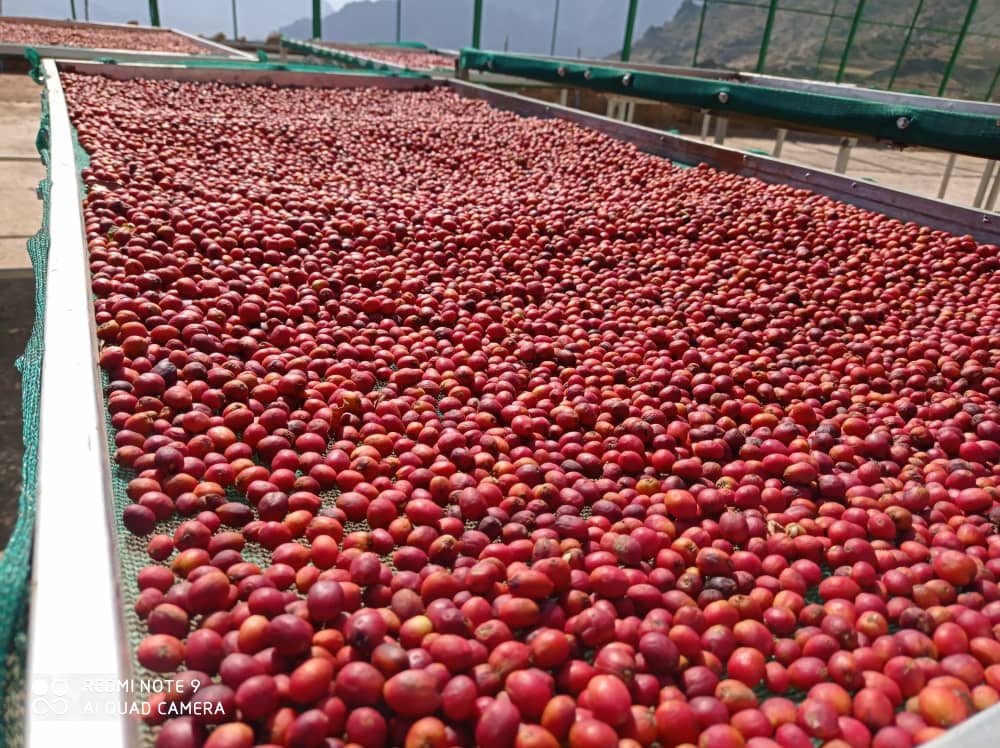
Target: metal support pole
706,123
906,44
993,85
86,10
477,23
991,201
779,141
236,28
154,13
984,184
721,128
399,20
949,167
850,39
317,19
958,47
701,27
765,42
826,38
633,7
563,96
555,27
72,9
844,154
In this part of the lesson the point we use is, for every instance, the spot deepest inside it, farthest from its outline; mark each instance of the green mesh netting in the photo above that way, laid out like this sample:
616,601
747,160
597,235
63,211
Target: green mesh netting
15,566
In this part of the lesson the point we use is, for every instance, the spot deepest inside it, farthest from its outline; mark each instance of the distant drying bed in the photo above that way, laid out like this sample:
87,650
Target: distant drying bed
414,59
95,36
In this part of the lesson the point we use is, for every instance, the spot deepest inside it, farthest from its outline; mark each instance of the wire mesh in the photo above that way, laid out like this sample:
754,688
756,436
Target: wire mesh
905,45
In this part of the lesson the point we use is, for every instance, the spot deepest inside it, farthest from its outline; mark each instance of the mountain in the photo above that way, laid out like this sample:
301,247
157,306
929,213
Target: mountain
592,28
809,45
256,18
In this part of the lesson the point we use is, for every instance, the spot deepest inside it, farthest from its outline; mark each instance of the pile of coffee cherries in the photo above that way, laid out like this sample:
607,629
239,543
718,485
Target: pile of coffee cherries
96,36
406,57
447,427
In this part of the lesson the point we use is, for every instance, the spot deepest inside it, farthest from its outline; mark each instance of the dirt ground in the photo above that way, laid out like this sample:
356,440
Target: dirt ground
20,218
916,170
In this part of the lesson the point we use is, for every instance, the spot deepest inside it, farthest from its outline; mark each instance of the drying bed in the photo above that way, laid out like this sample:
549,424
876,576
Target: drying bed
411,58
33,32
432,424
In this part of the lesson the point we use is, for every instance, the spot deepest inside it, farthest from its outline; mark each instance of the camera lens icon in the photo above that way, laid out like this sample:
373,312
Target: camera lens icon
48,698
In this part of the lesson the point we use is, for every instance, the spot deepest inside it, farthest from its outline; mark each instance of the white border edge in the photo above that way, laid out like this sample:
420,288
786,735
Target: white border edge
75,626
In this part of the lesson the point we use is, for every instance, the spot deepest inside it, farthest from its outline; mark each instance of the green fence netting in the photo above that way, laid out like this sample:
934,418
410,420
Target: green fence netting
15,566
905,45
900,122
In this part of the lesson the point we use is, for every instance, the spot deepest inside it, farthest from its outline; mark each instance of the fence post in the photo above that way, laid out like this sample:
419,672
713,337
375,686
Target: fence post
993,85
317,19
779,141
949,167
844,154
850,39
984,184
906,43
477,23
721,130
154,13
701,27
633,6
958,47
765,42
555,26
399,20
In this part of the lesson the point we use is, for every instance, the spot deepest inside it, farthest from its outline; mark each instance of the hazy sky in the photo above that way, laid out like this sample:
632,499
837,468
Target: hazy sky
256,17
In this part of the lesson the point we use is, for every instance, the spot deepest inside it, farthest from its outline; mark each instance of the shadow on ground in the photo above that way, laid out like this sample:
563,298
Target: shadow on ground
17,293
